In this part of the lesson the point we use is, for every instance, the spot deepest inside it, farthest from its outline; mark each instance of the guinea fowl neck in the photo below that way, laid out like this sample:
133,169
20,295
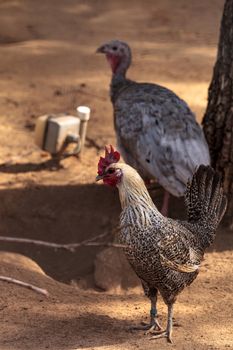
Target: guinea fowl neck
119,83
120,66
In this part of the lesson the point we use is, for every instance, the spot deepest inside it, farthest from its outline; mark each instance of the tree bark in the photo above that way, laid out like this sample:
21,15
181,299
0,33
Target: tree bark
218,118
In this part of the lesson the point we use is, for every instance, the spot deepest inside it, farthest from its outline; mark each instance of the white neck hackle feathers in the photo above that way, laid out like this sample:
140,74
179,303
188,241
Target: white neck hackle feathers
137,206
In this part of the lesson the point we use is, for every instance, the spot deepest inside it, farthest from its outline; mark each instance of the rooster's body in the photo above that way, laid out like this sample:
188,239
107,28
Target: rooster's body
166,253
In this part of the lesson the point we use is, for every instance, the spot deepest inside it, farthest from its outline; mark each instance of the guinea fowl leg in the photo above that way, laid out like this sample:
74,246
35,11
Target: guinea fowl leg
168,332
164,209
154,324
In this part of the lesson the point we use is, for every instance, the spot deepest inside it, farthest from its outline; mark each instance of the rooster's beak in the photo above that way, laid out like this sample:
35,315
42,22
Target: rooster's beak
99,177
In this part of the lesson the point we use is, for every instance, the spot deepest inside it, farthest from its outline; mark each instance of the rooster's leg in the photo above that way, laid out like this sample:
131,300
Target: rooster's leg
168,332
164,209
154,324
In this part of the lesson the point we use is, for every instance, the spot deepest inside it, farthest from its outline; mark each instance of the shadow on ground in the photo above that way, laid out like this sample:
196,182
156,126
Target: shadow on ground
69,214
63,214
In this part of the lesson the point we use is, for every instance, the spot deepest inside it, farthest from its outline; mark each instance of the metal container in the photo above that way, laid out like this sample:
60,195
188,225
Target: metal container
55,132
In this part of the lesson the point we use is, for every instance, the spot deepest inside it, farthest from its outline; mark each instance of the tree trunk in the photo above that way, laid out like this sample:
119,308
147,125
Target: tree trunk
218,118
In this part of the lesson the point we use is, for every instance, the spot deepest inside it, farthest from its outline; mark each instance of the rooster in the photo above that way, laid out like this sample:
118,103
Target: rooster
165,254
157,133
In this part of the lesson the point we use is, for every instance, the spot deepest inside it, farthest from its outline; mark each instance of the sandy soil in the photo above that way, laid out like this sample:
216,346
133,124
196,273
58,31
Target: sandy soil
48,64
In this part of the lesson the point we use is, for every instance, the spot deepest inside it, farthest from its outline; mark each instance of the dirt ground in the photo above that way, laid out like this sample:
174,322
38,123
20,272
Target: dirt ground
48,64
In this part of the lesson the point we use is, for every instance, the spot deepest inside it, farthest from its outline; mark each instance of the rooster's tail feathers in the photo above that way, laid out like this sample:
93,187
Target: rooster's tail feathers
205,201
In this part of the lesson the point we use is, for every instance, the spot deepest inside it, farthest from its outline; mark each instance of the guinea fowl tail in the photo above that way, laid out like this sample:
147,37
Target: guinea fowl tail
205,201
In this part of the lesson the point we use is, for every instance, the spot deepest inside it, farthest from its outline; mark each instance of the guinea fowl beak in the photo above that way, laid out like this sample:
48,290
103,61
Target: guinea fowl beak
101,49
99,177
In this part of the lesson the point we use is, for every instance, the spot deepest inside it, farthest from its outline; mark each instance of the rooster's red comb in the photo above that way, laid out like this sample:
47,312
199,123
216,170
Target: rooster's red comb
111,156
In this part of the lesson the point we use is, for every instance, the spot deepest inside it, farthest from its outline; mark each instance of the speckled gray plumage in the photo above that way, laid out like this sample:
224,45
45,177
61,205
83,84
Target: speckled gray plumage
152,237
157,133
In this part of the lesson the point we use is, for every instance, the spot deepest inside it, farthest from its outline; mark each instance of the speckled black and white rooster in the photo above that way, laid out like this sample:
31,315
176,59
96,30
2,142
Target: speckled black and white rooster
156,131
164,253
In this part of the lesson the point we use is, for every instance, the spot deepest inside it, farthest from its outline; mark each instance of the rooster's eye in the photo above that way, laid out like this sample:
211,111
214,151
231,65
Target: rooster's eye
111,171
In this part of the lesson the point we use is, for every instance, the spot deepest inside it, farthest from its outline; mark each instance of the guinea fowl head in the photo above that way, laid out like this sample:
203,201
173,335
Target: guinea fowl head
118,55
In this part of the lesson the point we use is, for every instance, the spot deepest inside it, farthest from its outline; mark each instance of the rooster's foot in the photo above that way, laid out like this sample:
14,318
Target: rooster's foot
148,327
162,334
